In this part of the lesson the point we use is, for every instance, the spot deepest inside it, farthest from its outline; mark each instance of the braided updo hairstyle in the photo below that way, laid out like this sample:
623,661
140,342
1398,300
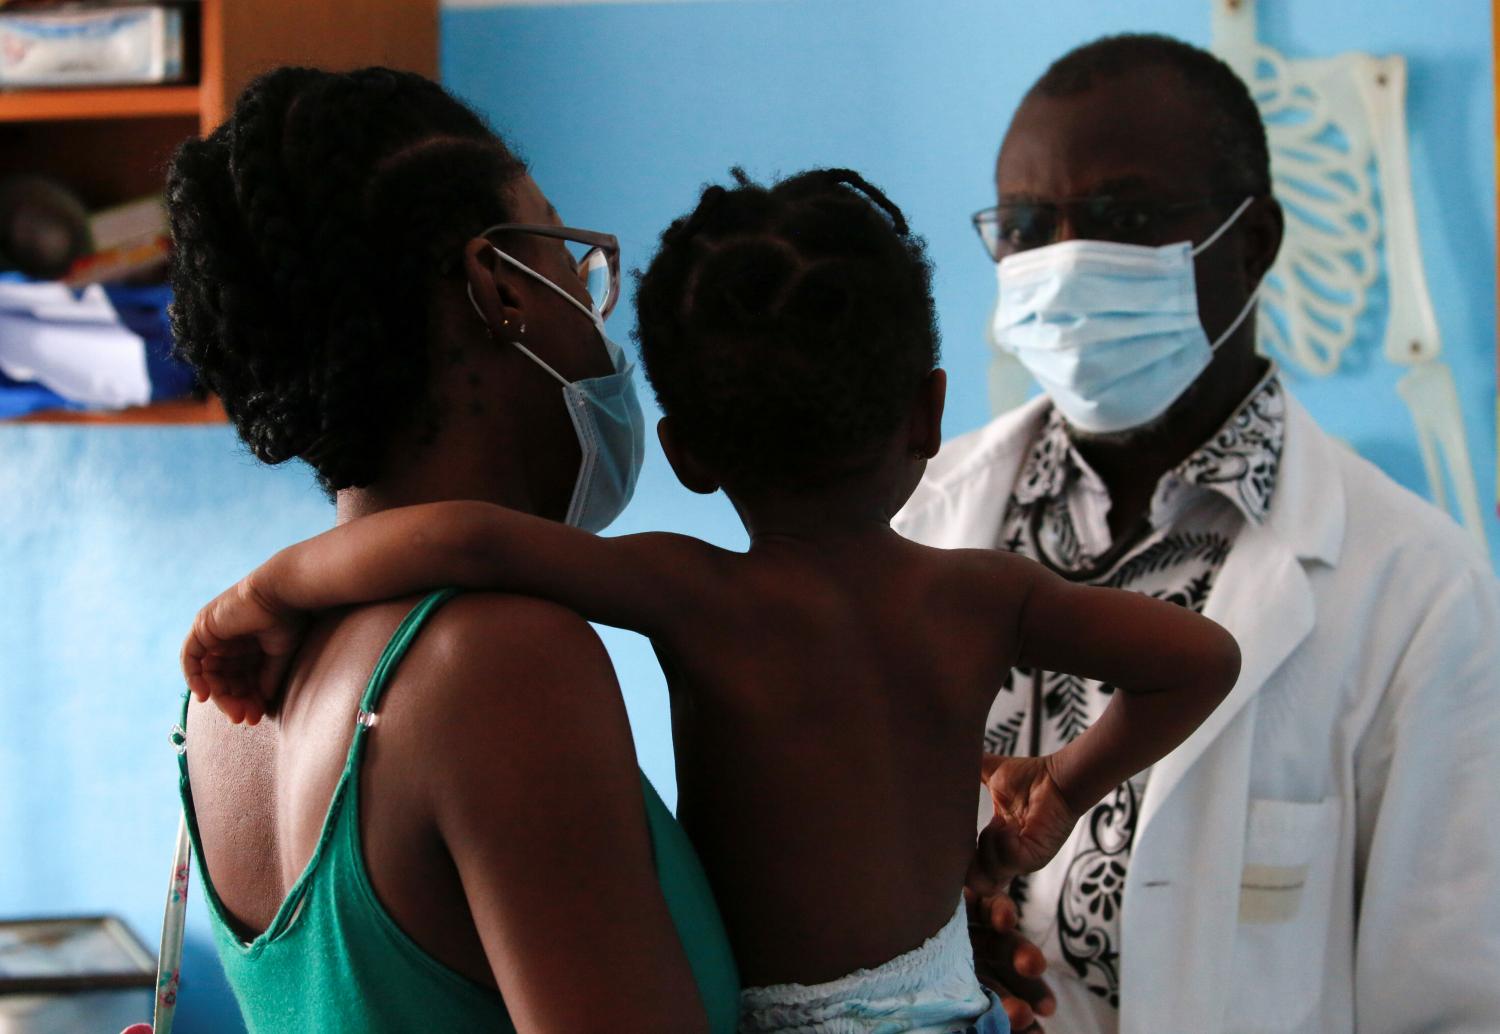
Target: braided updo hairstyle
309,232
786,329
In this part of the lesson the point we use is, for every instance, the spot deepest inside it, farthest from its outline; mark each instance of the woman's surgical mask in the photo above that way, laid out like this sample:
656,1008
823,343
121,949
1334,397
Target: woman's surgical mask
1110,331
607,418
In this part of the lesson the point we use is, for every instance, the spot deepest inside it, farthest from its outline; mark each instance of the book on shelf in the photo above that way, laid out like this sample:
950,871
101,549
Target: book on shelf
131,242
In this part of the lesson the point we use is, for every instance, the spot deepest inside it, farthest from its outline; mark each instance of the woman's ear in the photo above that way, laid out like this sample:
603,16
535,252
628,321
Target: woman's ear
925,428
695,477
495,299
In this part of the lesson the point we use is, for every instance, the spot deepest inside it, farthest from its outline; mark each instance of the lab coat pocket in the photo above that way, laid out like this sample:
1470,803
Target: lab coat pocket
1284,914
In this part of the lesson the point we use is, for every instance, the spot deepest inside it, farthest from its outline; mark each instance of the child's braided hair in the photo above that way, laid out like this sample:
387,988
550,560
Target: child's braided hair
786,329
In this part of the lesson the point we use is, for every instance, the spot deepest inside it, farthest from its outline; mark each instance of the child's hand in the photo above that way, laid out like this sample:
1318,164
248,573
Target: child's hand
239,650
1032,817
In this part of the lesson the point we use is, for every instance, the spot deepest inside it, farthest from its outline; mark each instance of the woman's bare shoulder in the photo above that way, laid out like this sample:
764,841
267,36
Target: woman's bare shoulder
491,635
505,689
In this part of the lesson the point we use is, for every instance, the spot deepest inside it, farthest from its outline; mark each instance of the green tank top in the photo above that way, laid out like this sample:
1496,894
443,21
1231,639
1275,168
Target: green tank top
334,961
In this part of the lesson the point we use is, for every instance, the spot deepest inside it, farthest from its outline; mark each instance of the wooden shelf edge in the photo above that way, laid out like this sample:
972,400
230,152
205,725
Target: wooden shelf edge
102,103
177,411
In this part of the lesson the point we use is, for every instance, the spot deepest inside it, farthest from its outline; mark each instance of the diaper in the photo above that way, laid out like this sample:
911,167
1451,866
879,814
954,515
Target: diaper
930,990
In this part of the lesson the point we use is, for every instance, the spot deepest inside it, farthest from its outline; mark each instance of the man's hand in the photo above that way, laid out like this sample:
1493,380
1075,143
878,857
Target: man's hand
1032,822
239,650
1005,961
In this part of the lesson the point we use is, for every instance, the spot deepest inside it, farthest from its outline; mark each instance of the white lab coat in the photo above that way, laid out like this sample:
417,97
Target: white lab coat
1323,854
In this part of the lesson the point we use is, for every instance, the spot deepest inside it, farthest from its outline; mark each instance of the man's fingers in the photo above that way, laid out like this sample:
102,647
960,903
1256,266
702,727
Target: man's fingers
1012,965
1027,986
979,887
1002,914
1029,961
1021,1016
1035,993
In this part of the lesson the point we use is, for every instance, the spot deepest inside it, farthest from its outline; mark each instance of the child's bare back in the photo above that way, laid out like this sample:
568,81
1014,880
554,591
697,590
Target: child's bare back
829,697
829,702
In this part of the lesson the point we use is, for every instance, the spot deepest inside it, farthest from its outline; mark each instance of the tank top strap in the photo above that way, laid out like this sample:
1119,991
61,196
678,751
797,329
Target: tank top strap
385,669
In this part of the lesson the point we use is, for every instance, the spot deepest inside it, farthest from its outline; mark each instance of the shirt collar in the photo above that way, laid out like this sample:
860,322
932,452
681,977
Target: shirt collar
1239,462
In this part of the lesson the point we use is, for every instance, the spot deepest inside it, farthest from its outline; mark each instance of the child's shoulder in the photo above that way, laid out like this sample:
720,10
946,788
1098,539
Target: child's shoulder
987,577
986,565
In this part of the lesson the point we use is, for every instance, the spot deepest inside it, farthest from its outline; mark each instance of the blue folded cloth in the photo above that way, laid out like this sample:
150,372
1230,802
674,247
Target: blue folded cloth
142,310
18,399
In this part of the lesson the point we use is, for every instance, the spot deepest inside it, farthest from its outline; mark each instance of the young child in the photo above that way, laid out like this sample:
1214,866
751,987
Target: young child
830,685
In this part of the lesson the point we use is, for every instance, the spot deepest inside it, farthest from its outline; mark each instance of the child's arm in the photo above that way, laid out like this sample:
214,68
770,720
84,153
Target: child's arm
637,582
242,640
1169,666
1170,669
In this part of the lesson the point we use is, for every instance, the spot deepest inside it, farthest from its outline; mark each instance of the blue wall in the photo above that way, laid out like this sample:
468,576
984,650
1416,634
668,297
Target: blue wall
110,539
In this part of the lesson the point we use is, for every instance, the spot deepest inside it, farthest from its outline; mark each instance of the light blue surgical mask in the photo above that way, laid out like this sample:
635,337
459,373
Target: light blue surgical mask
607,418
1110,331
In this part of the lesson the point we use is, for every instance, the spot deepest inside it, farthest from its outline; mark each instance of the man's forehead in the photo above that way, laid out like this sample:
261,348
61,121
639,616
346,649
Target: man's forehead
1138,135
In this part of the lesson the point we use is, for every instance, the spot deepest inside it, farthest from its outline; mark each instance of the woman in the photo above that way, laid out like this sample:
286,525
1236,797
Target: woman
462,840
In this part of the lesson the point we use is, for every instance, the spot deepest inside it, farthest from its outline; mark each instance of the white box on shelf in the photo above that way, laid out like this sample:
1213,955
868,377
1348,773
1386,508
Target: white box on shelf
105,47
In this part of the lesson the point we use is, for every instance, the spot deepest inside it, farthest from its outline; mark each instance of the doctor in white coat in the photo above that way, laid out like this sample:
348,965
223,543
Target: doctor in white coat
1323,855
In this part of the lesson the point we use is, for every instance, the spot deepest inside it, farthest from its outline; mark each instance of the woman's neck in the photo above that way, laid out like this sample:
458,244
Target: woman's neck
440,474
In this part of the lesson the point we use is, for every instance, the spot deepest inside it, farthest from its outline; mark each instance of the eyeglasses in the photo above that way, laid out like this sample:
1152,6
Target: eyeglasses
596,259
1013,226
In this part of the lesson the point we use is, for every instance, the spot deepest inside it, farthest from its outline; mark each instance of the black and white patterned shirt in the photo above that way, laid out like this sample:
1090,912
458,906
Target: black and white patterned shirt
1059,512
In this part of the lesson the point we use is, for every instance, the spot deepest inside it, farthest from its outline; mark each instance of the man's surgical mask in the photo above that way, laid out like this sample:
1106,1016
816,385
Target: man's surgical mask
607,418
1110,331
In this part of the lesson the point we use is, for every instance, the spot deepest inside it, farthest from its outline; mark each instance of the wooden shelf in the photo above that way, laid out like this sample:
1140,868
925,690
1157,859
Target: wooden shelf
178,411
114,144
103,103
